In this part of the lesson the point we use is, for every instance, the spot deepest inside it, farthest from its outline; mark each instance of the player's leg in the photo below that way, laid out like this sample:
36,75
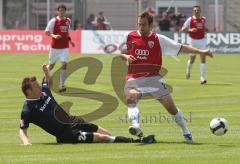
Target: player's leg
132,96
63,77
177,115
189,65
53,57
103,131
87,137
92,128
203,67
203,70
51,66
102,135
88,133
191,60
81,125
97,137
63,71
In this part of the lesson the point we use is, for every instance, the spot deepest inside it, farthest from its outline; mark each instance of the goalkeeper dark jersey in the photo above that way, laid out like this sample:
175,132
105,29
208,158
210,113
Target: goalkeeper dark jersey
47,114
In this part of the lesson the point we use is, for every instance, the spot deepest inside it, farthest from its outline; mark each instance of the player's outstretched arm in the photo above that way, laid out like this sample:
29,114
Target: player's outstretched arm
24,137
47,77
189,49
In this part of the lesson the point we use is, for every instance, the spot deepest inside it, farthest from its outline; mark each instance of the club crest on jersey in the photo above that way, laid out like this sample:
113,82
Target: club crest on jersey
150,44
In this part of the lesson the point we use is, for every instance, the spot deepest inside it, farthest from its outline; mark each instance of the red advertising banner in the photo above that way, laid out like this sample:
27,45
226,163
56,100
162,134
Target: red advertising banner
32,41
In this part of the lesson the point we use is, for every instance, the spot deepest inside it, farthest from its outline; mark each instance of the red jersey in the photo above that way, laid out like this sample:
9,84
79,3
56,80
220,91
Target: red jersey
199,24
61,27
147,51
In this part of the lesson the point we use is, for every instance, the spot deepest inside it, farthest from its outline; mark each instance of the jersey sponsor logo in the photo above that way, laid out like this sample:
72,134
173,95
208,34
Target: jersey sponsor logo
64,28
141,54
199,25
45,104
150,44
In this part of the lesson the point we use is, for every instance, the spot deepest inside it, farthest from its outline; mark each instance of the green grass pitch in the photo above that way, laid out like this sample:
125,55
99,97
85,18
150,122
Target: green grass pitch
220,97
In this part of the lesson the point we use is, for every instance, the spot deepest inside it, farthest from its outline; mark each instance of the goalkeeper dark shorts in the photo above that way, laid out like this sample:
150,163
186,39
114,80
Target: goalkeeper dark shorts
78,133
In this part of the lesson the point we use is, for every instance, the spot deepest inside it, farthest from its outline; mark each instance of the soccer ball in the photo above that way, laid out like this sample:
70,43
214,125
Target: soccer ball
219,126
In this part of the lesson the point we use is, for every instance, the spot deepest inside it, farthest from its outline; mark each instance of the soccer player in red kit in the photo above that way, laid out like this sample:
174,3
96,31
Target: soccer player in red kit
58,30
196,28
144,58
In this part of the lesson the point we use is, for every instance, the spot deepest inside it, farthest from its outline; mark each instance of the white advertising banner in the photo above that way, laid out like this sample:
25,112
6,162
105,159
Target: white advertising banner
102,42
32,41
217,42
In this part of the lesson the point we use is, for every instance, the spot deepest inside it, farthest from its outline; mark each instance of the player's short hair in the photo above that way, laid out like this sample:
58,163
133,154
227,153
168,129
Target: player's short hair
196,6
148,16
26,84
62,6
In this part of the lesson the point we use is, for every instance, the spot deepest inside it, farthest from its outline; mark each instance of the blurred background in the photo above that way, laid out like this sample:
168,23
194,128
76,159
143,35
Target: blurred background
222,15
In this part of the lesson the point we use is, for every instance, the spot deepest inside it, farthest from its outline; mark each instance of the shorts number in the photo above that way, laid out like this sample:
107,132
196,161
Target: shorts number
82,136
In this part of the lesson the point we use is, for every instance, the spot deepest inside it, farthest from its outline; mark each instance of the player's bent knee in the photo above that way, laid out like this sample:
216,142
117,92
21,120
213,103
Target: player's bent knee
131,100
132,96
103,131
97,137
